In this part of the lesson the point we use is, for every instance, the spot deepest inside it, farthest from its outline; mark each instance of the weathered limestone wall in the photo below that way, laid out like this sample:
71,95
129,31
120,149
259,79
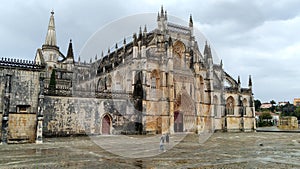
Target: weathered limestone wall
233,124
24,89
21,127
249,123
218,126
73,116
67,116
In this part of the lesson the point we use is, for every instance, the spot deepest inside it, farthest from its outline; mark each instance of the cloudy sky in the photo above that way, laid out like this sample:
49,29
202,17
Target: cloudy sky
258,37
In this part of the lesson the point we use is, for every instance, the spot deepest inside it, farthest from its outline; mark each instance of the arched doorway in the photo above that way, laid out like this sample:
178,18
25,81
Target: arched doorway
178,122
106,125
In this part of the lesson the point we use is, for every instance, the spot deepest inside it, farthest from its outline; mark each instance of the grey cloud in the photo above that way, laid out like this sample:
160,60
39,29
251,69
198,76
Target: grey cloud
244,33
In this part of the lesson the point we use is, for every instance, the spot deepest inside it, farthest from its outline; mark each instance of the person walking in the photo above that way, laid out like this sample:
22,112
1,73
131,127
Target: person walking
161,143
167,138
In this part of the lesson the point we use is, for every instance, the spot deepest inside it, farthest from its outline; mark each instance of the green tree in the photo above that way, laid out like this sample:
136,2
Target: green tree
52,83
257,104
288,110
272,102
265,116
265,119
272,109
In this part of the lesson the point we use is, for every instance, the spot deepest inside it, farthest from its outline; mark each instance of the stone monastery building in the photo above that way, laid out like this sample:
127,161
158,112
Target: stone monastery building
159,82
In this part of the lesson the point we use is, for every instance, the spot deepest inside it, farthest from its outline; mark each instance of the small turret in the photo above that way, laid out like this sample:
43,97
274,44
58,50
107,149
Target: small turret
158,17
207,54
162,19
191,21
239,80
250,82
145,30
170,41
134,39
70,54
221,63
135,46
206,49
124,44
166,16
124,41
140,33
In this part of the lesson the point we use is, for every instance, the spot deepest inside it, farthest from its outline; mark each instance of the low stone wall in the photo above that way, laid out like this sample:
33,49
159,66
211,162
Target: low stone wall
21,127
65,116
289,122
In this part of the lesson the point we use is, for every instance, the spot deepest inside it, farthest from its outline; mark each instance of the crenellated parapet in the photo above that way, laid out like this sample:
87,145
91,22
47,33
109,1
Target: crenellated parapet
20,63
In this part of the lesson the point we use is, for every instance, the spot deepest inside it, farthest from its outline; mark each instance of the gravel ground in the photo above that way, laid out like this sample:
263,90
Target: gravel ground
221,150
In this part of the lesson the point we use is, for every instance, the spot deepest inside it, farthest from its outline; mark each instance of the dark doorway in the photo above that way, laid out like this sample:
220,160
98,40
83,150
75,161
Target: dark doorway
178,122
106,125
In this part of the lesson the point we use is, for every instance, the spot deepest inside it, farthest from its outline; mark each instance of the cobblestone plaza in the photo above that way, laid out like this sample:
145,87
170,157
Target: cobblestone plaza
221,150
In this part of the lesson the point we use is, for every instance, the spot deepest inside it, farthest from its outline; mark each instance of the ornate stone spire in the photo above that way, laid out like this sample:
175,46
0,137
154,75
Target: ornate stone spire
140,33
70,53
145,29
134,39
158,17
170,41
207,50
162,11
239,80
191,21
166,16
124,41
250,81
51,34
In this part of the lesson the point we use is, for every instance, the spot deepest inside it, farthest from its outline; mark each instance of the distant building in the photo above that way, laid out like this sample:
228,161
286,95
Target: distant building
266,105
282,103
296,101
288,122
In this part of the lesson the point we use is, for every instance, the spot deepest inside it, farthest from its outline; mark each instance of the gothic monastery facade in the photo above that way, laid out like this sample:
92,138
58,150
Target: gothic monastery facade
159,82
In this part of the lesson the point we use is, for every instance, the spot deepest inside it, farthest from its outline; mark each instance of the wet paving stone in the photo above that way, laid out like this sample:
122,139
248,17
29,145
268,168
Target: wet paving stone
221,150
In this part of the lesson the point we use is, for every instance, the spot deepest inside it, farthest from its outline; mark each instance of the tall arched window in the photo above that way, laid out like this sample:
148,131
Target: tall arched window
245,106
118,81
215,101
230,106
99,85
108,82
155,79
179,57
200,83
